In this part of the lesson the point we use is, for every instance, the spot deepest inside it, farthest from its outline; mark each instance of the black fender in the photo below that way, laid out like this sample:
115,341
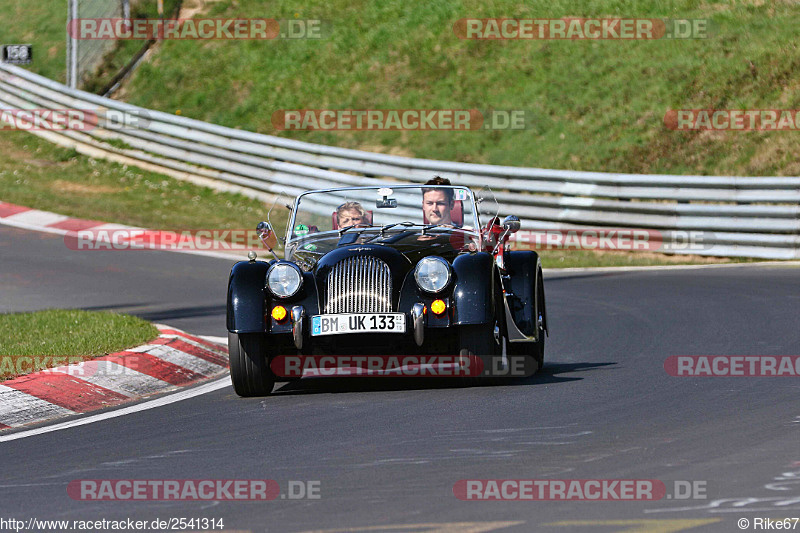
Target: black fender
245,313
524,270
308,296
473,291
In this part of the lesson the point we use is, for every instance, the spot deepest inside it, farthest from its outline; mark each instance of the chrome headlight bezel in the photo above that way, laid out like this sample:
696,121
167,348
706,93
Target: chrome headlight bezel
279,268
436,262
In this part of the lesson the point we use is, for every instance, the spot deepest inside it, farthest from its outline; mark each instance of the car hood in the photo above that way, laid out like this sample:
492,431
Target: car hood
411,244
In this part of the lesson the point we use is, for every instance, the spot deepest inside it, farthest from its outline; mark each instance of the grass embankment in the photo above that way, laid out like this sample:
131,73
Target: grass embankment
46,339
597,105
42,24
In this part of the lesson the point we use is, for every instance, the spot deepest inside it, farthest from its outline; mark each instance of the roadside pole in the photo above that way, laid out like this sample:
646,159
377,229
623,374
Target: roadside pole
72,46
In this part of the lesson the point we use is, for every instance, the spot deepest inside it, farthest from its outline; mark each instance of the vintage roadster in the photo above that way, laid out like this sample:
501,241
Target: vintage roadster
401,269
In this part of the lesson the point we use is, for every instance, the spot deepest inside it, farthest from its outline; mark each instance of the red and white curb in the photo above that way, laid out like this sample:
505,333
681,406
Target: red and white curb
44,221
33,219
175,359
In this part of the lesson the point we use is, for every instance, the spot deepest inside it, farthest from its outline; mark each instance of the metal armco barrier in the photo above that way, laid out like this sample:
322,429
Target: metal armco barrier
733,216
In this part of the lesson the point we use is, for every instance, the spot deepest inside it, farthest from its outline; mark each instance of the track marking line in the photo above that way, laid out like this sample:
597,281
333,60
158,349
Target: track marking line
641,525
144,406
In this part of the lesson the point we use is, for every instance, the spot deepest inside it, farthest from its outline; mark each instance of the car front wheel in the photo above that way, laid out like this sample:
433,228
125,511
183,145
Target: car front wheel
250,371
531,350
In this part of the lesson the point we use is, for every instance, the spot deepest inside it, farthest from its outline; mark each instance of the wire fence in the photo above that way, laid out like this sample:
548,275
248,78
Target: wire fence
84,56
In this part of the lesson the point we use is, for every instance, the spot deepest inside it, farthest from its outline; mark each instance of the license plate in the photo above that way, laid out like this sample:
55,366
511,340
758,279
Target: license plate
358,323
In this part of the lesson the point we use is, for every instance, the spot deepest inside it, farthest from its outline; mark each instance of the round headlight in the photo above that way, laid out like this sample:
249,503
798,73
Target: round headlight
284,279
432,274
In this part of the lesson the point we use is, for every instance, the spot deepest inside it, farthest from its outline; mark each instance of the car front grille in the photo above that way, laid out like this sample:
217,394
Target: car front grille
360,284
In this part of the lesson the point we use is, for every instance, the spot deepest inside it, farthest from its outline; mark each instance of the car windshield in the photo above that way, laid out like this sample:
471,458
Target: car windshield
389,208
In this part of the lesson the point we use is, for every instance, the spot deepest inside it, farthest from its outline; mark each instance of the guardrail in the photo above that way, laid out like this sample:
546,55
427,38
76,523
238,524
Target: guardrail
738,216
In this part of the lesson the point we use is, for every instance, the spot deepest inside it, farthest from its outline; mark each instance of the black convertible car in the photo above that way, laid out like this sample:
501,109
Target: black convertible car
398,269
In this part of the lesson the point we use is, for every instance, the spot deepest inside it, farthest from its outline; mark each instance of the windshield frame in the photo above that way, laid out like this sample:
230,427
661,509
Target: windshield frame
475,215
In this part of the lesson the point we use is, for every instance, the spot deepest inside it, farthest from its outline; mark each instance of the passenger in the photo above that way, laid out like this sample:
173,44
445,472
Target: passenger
351,214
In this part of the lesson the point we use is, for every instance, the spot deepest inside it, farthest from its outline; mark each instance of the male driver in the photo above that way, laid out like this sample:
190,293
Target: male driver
437,202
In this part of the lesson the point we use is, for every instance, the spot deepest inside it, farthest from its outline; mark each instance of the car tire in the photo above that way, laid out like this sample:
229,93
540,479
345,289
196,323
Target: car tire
533,350
250,371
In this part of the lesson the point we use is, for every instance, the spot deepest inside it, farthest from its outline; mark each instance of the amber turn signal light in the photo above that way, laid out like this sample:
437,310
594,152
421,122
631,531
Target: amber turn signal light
438,307
279,313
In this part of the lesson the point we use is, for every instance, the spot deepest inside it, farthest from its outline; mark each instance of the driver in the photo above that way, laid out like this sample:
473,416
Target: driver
351,214
437,202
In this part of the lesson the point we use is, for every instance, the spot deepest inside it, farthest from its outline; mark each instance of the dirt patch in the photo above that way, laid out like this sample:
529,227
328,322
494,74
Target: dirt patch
82,188
190,8
41,163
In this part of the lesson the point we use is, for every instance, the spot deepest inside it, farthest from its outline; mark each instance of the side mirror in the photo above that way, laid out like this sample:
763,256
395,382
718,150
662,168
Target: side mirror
511,224
264,230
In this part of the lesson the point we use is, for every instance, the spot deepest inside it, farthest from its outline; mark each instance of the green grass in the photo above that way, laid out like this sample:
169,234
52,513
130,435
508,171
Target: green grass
597,105
37,174
42,24
45,339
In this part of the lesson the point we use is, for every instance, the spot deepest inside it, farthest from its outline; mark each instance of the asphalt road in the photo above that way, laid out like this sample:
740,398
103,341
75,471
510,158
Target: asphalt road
387,453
